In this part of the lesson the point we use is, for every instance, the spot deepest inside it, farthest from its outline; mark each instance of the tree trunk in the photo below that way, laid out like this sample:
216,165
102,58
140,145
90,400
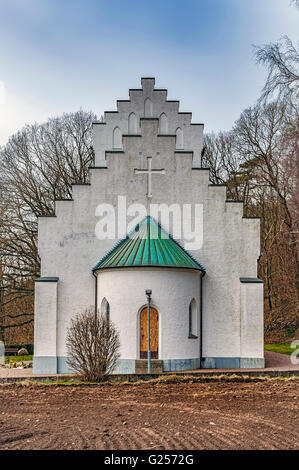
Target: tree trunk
2,329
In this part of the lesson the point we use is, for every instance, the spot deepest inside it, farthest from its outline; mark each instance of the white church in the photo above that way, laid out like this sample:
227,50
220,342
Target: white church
113,241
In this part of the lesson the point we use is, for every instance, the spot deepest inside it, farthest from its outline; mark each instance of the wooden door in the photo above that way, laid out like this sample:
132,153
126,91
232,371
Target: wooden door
154,334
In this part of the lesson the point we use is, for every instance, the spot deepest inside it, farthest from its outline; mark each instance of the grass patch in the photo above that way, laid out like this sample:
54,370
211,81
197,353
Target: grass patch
284,348
177,379
64,383
167,380
282,377
29,357
162,380
73,382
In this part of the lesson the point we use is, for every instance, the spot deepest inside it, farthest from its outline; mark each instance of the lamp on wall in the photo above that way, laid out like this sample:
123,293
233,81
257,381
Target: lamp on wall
148,294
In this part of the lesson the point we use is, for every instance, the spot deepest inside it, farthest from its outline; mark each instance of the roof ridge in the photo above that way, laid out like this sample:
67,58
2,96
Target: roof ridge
141,247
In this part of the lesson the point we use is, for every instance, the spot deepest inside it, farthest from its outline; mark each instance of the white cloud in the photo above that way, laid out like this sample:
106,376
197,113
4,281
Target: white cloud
15,112
2,93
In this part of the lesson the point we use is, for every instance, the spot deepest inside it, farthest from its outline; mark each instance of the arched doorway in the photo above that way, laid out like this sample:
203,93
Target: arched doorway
154,333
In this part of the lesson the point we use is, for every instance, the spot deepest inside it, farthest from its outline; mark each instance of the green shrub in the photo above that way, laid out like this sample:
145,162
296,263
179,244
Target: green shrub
289,332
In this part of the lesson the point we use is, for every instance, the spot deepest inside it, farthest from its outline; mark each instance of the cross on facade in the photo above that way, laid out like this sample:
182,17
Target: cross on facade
149,173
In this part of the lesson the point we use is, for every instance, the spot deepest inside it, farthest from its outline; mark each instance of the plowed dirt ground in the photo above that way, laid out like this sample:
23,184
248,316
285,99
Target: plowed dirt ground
192,415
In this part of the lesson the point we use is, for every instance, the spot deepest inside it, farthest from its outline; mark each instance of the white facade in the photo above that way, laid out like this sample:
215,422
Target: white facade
173,291
231,302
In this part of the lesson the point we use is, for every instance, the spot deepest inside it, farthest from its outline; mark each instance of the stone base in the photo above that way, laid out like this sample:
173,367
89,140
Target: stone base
58,365
233,363
125,366
176,365
44,365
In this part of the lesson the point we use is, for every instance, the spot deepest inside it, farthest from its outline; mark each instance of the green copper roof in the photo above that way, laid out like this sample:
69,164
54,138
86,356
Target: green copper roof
148,245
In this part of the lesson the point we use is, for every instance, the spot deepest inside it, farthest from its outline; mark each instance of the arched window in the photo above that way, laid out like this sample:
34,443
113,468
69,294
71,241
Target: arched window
148,108
105,309
116,138
132,123
179,143
192,320
163,124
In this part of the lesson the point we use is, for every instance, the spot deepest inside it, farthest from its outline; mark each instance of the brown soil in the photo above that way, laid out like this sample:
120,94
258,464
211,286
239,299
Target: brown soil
209,415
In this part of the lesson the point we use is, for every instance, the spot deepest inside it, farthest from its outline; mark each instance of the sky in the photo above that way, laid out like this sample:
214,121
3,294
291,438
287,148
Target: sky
59,56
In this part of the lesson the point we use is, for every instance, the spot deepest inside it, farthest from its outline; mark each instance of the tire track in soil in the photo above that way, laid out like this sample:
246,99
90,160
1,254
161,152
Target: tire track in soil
169,442
230,434
170,417
268,429
16,439
233,434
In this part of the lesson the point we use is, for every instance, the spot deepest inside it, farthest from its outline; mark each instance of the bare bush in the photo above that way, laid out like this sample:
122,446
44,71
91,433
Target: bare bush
92,345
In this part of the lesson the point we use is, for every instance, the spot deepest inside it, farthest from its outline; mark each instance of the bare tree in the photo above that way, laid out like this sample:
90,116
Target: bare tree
258,160
218,156
282,61
92,345
270,157
225,163
37,166
260,142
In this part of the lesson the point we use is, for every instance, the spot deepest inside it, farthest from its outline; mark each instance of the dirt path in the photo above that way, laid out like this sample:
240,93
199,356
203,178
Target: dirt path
247,415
